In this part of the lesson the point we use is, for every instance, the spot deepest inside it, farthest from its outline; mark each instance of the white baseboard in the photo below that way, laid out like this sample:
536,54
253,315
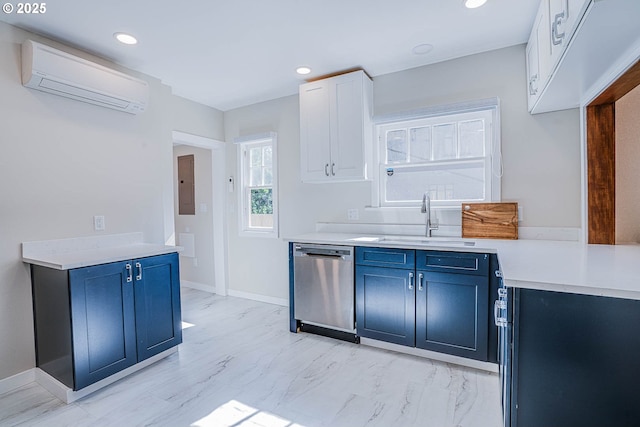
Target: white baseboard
442,357
17,380
67,395
257,297
198,286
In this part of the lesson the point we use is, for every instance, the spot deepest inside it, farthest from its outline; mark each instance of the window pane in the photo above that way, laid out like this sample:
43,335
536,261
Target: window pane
397,146
268,176
420,144
261,201
471,138
444,141
255,176
261,215
256,156
267,156
447,182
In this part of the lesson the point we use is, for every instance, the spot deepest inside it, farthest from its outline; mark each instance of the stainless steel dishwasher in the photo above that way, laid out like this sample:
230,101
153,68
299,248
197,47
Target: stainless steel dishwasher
324,286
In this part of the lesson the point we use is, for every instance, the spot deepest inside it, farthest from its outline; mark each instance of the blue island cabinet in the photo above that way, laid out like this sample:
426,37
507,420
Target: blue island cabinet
434,300
95,321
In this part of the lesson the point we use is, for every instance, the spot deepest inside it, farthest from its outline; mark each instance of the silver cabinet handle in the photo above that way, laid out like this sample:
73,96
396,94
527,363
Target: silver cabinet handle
420,279
326,169
499,320
333,172
139,267
555,37
533,90
129,272
410,280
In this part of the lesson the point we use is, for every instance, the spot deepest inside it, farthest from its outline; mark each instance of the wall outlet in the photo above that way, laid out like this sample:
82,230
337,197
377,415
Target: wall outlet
520,214
98,222
353,214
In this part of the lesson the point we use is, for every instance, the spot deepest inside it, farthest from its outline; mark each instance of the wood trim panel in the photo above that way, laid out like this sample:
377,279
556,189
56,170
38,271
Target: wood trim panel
625,84
601,173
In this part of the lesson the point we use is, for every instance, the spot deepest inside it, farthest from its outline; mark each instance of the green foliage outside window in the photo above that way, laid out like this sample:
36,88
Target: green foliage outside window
262,201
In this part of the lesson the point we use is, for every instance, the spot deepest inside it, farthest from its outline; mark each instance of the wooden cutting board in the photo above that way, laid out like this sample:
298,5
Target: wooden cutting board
490,220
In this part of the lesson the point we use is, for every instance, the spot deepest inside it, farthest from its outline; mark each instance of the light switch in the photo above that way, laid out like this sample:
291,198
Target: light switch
98,222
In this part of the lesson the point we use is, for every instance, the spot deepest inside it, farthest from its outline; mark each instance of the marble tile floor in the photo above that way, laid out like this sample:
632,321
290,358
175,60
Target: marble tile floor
239,366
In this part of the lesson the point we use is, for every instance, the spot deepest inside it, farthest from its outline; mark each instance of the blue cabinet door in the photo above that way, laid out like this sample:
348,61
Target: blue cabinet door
157,304
452,313
385,304
103,323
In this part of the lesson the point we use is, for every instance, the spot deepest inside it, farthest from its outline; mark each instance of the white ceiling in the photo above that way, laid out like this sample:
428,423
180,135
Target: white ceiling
228,54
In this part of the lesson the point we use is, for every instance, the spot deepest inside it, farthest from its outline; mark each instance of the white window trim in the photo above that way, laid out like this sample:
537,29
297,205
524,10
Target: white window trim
494,157
243,143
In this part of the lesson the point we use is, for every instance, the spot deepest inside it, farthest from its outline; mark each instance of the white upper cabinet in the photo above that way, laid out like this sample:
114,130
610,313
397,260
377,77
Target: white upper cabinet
576,43
538,55
335,128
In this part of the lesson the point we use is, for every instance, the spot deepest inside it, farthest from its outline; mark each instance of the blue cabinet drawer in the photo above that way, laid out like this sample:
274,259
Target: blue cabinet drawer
453,262
386,257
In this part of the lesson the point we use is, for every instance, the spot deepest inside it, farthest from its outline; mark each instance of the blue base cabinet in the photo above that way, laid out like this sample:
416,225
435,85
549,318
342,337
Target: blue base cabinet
385,299
93,322
452,303
433,300
385,304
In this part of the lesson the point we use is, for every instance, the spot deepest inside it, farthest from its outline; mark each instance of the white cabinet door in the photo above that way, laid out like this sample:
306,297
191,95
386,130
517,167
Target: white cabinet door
347,142
315,133
564,16
538,55
335,128
558,32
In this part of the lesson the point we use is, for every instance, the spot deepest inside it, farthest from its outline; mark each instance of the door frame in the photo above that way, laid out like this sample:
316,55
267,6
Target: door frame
599,157
218,214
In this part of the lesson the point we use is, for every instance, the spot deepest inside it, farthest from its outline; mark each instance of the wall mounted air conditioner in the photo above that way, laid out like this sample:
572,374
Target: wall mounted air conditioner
51,70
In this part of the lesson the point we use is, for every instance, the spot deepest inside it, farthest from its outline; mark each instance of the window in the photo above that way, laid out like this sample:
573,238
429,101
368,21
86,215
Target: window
451,156
258,185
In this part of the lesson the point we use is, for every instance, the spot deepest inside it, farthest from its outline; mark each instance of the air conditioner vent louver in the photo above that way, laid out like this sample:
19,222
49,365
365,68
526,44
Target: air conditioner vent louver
59,73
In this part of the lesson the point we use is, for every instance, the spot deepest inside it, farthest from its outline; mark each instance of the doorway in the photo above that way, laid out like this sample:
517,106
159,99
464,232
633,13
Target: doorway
601,157
203,234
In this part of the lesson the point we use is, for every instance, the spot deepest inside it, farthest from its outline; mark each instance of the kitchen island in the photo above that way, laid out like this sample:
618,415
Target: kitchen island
104,307
568,341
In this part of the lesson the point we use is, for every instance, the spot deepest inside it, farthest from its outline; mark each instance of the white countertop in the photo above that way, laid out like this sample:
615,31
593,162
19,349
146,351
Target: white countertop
66,254
604,270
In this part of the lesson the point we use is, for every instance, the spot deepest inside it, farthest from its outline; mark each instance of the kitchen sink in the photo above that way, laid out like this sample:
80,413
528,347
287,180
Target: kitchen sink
413,240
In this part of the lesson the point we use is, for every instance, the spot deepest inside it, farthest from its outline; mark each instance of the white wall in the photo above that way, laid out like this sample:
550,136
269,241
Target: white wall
64,161
627,171
541,160
200,224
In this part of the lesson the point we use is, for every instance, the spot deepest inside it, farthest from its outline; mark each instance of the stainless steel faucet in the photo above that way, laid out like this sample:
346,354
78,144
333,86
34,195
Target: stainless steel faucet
426,209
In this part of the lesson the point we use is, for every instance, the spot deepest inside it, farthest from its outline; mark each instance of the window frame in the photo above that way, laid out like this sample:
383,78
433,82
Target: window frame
487,108
245,144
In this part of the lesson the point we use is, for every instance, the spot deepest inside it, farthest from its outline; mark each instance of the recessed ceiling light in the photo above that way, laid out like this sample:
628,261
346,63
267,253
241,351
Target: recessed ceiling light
472,4
422,49
303,70
125,38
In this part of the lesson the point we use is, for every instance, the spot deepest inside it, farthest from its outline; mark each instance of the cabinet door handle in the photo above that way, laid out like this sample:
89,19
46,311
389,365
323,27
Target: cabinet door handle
410,281
139,267
555,37
326,169
420,279
533,90
333,172
129,272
